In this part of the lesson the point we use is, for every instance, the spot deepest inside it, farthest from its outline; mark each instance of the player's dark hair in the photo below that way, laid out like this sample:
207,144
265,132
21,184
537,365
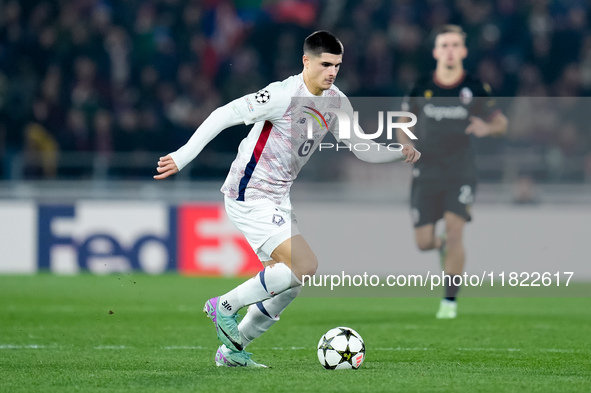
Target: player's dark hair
322,42
449,29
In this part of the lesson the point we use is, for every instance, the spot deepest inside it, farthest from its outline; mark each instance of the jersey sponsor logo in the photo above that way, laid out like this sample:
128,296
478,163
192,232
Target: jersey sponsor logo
322,121
316,116
306,148
445,112
466,96
262,96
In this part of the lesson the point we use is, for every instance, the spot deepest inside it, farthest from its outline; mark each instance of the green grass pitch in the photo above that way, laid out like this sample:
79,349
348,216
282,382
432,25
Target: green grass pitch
139,333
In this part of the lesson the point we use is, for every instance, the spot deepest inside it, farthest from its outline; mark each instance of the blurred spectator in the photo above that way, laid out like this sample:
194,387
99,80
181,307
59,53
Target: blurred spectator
128,125
376,67
118,47
524,191
41,148
243,75
130,75
103,132
75,136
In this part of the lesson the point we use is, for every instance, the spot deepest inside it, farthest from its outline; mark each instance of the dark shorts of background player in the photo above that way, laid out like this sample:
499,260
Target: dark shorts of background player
430,199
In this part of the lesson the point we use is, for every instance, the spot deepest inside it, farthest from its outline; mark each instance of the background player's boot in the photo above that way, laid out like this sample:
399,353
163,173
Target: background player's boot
226,327
227,358
448,309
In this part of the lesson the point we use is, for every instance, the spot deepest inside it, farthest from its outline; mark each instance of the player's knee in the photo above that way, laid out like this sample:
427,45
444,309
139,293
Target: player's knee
454,238
311,266
305,267
425,244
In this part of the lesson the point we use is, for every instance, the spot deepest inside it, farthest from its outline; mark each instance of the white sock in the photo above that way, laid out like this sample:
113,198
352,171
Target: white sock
261,316
269,282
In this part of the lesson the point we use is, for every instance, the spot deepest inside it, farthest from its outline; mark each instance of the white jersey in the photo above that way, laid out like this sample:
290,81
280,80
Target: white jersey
271,156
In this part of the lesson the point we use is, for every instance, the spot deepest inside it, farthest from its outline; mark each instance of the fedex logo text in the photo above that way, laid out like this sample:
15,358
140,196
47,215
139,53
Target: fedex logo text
107,238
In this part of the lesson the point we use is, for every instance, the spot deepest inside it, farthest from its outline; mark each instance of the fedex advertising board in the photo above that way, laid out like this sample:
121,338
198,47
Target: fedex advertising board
18,237
209,244
108,237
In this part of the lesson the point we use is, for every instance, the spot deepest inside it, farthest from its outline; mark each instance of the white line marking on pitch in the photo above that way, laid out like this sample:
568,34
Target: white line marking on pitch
12,346
187,347
110,347
198,347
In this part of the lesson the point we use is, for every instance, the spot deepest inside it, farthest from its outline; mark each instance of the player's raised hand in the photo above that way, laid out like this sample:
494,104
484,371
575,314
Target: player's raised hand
412,154
477,127
166,167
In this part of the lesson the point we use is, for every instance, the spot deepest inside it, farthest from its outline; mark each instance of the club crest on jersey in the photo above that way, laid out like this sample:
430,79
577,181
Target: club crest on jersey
466,95
262,96
278,220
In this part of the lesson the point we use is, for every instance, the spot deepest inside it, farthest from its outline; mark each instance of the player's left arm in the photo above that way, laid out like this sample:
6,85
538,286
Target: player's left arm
495,123
496,126
377,153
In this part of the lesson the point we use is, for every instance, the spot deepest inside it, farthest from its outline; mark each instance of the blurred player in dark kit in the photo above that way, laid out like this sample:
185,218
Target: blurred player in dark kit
452,106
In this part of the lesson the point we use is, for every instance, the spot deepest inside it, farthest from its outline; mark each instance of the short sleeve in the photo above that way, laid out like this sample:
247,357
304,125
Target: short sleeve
487,105
409,103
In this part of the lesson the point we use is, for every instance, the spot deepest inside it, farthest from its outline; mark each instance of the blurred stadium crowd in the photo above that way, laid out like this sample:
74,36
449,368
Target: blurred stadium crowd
138,76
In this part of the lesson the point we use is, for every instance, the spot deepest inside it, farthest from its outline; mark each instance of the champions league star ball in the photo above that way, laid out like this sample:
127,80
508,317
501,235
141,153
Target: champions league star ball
341,348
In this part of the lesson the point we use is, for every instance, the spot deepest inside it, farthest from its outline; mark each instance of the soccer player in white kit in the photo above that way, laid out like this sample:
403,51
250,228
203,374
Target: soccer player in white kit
258,185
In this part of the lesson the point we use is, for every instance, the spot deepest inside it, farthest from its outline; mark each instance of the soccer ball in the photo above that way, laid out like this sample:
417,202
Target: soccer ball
341,348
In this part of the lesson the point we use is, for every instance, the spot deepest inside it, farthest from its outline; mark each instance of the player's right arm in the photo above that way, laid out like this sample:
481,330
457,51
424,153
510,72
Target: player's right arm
220,119
166,167
408,105
266,104
401,136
